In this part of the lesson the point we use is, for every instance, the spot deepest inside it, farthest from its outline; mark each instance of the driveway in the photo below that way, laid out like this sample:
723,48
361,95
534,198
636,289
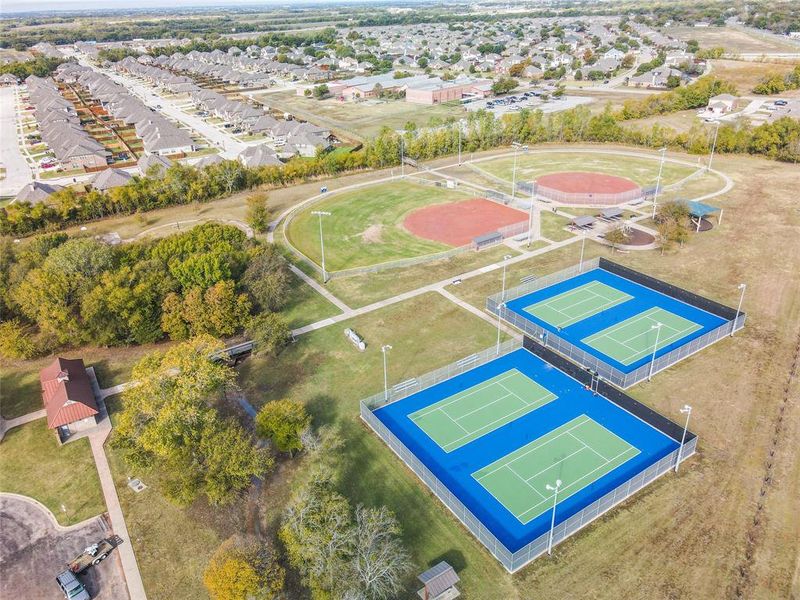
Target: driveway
18,174
34,549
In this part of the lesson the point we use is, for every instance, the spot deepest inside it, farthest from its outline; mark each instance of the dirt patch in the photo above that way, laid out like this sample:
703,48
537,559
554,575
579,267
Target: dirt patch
579,182
637,237
372,234
458,223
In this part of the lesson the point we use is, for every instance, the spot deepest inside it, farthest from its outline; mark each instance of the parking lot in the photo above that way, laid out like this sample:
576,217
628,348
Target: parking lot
33,550
539,99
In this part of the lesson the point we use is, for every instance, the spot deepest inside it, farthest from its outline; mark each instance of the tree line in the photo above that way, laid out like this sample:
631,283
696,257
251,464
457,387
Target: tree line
41,66
210,280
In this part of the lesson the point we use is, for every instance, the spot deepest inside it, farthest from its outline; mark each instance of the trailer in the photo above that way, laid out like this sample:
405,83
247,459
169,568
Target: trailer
91,556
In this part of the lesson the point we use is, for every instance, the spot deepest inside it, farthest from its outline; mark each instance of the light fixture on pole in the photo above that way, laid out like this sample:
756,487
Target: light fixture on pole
657,327
686,410
320,214
384,349
550,488
402,157
459,143
530,213
658,180
713,146
743,287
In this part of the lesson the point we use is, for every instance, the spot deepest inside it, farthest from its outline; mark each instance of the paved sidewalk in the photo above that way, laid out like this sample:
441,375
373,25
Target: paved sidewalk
5,425
129,565
320,288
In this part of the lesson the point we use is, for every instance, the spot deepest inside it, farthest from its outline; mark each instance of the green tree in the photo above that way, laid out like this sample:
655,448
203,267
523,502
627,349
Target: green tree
258,214
269,332
15,341
169,425
283,422
321,91
267,278
615,237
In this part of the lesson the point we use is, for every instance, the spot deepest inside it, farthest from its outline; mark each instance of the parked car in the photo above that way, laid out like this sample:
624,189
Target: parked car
71,587
781,103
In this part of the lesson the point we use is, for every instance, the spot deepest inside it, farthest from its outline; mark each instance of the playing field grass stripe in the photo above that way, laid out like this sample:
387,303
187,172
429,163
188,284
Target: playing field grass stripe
635,338
578,453
577,304
459,419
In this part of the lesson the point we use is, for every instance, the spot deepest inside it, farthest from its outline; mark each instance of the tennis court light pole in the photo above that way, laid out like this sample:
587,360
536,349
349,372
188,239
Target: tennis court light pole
657,327
503,293
320,214
743,287
583,245
686,410
385,348
550,488
658,180
499,306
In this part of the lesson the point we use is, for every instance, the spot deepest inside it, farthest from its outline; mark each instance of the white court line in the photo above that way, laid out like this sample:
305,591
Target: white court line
487,425
472,412
569,485
525,481
572,319
516,458
587,446
464,394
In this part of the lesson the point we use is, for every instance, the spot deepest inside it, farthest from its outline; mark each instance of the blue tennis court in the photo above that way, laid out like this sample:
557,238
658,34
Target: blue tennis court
613,318
543,426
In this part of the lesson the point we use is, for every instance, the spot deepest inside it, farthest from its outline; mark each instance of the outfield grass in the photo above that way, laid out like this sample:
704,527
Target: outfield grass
366,225
644,171
33,464
330,376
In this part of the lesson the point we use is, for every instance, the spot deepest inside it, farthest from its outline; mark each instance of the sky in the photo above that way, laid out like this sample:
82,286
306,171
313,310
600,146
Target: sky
15,6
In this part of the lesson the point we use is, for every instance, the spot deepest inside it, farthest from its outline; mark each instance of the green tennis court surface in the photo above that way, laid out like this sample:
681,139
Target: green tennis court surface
577,304
578,453
468,415
635,338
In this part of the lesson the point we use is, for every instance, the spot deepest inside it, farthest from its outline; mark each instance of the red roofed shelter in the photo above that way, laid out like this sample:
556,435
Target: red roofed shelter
68,397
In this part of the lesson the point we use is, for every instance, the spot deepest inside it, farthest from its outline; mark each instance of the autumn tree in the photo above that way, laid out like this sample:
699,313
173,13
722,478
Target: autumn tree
615,236
244,568
267,278
258,214
269,332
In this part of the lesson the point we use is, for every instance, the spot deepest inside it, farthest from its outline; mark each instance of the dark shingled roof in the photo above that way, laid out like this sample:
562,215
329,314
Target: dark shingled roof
439,578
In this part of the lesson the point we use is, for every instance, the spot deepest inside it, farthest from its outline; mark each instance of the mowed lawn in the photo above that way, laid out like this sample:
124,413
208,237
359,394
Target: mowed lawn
63,478
366,225
644,171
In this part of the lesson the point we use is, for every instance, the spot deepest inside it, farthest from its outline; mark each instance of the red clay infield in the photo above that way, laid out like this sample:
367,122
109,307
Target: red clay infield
457,223
579,182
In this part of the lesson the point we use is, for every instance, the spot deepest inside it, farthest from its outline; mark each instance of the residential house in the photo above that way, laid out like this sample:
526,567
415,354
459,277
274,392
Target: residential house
36,192
110,178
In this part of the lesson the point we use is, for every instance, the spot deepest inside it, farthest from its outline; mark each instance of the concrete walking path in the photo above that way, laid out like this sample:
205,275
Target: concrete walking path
127,557
319,288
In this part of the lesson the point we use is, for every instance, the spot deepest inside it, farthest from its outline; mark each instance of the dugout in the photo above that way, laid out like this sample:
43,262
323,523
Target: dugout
487,239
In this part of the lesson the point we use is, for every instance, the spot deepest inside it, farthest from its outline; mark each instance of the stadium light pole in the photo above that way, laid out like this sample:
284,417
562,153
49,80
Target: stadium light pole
658,180
384,349
320,214
583,245
713,146
657,327
530,213
550,488
459,143
743,287
686,410
503,293
514,172
402,157
499,307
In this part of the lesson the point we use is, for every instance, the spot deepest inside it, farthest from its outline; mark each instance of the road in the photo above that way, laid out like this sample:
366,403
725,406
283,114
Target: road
230,146
18,173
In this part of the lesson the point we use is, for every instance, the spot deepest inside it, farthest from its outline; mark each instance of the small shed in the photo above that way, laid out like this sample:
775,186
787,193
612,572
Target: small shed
583,222
487,239
439,583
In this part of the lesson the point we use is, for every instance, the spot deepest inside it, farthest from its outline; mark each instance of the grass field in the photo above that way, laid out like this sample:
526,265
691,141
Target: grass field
363,119
366,225
553,227
33,464
745,75
643,171
733,40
